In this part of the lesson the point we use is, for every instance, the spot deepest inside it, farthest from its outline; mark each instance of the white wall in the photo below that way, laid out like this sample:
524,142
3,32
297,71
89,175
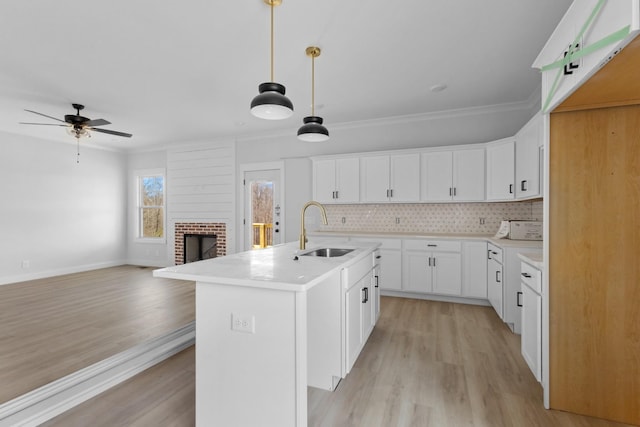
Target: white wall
148,254
57,216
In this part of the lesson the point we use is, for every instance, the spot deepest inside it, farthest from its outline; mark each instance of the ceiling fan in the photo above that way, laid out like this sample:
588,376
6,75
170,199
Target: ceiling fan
77,125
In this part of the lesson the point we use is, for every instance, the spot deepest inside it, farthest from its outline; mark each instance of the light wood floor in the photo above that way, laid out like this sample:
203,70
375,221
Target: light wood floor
52,327
426,364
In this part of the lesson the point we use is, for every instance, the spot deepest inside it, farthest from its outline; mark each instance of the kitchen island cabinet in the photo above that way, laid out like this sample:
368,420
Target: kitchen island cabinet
258,316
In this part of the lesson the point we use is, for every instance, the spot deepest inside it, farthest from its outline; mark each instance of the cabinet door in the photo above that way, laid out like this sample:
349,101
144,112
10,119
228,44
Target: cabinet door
354,324
494,285
501,171
348,180
531,340
324,181
416,272
437,176
404,180
390,269
375,178
468,175
367,295
474,272
528,159
447,273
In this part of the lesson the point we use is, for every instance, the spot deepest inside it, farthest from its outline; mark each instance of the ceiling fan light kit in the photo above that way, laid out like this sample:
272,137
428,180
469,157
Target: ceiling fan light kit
312,130
271,103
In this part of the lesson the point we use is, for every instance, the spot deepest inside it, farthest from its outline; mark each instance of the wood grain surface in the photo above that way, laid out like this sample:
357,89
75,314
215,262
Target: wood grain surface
52,327
427,363
594,276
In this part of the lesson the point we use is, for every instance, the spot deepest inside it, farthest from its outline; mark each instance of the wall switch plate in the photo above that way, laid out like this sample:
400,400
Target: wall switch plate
243,323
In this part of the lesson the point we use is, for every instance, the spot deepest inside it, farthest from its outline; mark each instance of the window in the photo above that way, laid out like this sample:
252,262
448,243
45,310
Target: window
151,205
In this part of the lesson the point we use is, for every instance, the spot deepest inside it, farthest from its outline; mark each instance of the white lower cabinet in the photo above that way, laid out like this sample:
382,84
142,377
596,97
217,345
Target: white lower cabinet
432,266
495,275
474,269
389,263
360,310
531,339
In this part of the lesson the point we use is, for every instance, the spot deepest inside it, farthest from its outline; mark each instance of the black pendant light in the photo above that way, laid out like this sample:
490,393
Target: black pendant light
271,104
312,129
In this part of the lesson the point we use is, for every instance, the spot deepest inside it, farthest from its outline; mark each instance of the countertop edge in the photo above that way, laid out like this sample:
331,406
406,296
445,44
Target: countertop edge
363,251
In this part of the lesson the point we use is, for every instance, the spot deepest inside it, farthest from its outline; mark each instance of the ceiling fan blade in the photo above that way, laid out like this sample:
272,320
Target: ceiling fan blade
112,132
44,115
41,124
97,122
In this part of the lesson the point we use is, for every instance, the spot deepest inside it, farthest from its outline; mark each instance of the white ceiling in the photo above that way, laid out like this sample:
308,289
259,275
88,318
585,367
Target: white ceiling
182,71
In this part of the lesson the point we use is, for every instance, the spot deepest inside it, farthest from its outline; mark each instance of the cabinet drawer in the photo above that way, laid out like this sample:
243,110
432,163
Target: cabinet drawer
355,272
494,252
531,277
433,245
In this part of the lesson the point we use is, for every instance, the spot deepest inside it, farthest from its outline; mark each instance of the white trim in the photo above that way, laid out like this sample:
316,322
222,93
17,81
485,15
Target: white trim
433,297
249,167
60,271
138,174
50,400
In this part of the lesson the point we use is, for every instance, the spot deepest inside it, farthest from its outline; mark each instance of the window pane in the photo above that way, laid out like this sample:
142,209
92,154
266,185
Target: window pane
152,222
152,191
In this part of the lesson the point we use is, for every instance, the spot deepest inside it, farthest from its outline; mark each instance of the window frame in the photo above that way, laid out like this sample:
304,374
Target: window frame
139,176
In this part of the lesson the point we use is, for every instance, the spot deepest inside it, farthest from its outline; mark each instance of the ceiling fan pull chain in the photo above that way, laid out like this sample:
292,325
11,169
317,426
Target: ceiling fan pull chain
78,150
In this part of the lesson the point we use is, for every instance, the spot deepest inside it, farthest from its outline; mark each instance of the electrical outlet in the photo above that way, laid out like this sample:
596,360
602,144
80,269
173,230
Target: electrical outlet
482,221
243,323
344,220
397,220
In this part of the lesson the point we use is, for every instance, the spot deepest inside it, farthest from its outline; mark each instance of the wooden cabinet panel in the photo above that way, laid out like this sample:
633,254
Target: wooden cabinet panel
594,248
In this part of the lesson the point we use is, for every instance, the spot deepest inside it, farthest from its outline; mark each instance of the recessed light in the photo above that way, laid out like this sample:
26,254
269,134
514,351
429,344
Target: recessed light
438,88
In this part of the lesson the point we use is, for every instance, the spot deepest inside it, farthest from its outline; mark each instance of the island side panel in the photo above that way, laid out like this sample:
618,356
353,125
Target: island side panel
244,378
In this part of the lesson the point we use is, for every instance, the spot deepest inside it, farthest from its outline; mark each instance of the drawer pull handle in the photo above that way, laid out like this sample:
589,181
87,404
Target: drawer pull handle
518,295
498,273
431,245
527,275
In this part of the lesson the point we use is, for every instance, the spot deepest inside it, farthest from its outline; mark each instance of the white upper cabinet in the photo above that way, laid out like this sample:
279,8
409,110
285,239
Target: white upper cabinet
394,178
457,175
600,29
528,143
336,180
437,176
501,170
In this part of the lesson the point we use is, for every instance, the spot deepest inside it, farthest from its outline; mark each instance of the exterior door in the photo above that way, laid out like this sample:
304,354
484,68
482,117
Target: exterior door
262,210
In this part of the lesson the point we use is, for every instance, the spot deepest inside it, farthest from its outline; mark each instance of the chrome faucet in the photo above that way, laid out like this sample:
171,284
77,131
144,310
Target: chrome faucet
303,233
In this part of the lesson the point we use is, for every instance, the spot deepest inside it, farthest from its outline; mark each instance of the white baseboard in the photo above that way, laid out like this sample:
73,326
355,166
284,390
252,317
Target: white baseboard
50,400
433,297
59,272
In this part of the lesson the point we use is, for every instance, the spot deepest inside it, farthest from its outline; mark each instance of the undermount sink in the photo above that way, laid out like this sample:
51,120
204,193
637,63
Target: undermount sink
328,252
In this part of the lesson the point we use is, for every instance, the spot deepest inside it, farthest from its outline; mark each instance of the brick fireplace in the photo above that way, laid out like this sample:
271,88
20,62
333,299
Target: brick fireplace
201,228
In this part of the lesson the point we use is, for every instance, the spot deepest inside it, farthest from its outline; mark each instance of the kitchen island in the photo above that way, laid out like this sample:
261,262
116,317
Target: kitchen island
269,323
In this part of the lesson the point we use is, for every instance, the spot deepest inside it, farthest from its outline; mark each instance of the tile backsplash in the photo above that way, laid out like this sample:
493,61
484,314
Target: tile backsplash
481,218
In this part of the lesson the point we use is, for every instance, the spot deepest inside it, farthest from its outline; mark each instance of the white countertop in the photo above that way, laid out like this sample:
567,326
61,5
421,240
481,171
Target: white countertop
533,244
532,258
270,268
